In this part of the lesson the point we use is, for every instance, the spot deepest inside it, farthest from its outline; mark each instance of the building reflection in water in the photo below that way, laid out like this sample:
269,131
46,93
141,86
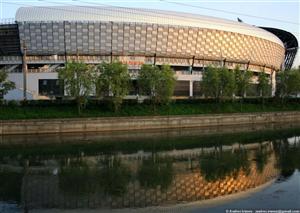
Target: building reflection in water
140,179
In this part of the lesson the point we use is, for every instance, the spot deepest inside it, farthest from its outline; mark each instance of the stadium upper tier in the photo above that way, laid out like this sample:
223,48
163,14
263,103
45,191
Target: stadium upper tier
137,15
107,31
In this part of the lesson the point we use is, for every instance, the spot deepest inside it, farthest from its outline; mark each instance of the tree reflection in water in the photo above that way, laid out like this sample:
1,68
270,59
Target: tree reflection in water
10,186
103,179
76,177
288,156
219,164
261,157
109,176
113,177
156,172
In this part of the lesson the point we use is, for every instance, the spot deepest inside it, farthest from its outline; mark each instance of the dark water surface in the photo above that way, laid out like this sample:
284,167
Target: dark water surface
152,168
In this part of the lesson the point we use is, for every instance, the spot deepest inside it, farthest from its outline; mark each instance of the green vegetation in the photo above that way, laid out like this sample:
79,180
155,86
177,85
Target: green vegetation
78,80
288,83
263,86
220,83
158,83
242,80
210,83
43,109
5,85
113,82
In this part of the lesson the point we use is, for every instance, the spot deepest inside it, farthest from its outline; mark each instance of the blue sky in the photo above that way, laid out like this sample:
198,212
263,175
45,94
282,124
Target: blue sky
284,10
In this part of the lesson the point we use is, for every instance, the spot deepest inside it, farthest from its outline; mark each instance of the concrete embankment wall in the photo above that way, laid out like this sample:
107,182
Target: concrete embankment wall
143,122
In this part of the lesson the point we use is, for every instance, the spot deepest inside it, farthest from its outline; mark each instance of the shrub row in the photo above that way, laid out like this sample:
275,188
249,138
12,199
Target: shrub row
130,102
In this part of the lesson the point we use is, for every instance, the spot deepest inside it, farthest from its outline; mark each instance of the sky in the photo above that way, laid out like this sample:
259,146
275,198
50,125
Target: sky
282,14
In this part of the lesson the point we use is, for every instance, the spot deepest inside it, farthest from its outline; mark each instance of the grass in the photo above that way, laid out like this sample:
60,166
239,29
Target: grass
70,111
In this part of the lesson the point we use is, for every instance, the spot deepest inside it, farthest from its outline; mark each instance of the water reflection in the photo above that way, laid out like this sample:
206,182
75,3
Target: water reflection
261,157
288,156
107,176
155,172
218,165
10,185
82,177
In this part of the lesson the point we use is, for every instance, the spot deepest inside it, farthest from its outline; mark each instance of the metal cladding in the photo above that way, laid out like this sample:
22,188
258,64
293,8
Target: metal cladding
290,42
9,40
128,31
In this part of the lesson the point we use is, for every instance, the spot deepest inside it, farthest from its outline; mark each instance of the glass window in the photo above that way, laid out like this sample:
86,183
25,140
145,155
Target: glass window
50,87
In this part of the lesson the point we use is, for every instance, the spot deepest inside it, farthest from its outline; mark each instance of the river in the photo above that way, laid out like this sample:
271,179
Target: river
186,170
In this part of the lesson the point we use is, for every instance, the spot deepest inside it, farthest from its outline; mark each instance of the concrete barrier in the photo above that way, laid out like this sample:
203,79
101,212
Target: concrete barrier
40,126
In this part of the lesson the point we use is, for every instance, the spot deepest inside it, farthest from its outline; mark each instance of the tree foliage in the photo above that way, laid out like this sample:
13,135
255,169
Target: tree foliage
113,81
158,83
288,83
227,82
211,82
79,80
263,84
5,85
242,81
218,82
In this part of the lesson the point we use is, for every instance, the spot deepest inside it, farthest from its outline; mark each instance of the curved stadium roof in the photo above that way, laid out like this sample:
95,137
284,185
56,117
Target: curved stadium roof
120,14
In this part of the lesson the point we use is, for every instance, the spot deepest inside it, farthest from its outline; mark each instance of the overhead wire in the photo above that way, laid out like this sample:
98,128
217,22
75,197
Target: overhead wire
187,17
230,12
139,10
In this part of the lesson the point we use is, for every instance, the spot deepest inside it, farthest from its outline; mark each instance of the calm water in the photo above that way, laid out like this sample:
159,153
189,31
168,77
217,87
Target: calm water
156,168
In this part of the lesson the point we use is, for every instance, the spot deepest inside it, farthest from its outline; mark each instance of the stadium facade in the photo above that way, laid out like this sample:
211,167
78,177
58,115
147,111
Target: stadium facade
188,42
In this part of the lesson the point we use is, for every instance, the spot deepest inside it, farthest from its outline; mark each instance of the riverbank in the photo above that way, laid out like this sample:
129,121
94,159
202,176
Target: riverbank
68,125
67,109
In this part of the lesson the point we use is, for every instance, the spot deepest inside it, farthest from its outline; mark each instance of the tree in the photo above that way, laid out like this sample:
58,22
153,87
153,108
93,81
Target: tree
167,82
5,85
218,82
263,84
211,82
113,81
288,83
158,83
79,80
242,81
227,82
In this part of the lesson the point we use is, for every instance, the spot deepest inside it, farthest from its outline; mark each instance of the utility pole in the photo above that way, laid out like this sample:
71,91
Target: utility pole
77,55
65,45
24,71
192,66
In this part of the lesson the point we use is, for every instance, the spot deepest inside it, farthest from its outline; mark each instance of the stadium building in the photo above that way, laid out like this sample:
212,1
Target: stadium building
42,39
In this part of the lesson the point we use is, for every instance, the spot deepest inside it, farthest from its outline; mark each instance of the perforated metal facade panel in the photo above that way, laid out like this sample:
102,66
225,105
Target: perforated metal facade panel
104,38
137,15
